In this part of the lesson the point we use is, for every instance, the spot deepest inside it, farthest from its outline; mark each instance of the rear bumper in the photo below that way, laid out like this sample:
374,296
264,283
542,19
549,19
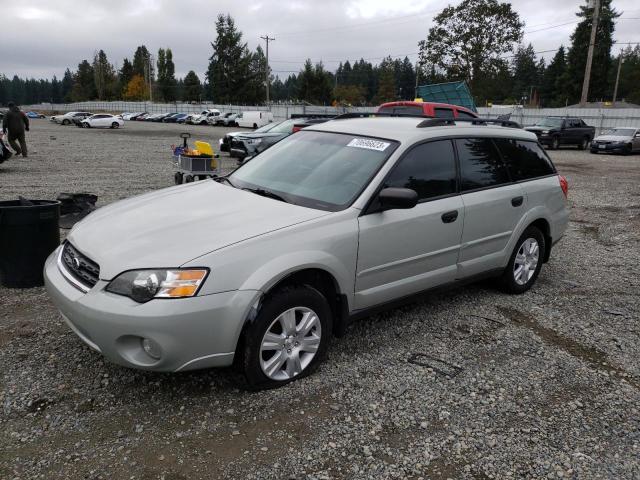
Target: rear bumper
190,333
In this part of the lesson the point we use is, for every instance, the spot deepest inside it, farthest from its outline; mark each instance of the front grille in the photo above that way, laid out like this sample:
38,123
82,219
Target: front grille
82,268
237,144
601,142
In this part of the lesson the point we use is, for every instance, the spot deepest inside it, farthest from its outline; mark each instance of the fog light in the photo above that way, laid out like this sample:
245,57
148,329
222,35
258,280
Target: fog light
151,348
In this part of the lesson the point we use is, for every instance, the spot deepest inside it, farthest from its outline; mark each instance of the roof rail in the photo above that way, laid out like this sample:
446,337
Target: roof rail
441,122
374,114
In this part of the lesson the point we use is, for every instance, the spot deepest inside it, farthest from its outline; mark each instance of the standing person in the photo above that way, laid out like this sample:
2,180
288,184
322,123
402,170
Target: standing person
15,123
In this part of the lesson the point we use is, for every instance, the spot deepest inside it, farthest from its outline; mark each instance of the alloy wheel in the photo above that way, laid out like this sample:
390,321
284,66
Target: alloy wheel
526,261
290,343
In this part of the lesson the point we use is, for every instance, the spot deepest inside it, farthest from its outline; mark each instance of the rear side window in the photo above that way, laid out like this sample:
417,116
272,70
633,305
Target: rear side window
444,113
462,114
525,160
429,169
480,164
402,109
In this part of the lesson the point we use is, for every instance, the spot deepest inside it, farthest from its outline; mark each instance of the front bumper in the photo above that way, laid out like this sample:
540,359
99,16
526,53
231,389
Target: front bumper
609,147
191,333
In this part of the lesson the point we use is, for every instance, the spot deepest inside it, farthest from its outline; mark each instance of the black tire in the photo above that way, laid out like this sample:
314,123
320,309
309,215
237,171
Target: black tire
177,178
188,178
66,122
555,143
508,283
115,125
285,299
255,125
584,144
628,150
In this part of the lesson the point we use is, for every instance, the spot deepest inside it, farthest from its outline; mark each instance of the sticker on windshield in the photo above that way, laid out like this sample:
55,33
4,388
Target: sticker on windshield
368,144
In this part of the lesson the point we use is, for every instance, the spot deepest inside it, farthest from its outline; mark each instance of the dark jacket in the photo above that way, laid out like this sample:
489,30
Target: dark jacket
15,122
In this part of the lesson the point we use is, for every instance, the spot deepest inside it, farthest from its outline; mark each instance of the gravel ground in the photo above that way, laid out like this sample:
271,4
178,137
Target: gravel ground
544,385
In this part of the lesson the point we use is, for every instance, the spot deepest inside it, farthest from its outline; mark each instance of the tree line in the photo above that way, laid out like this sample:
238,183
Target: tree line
463,44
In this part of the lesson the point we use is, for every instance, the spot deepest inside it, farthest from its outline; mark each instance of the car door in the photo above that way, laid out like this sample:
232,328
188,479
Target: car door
636,141
493,206
402,252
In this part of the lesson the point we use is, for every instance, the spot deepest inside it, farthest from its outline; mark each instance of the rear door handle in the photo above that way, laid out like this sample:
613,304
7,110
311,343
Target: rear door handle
517,201
450,217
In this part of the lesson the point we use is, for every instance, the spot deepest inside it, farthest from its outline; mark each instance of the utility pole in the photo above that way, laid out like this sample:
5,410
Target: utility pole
267,39
417,76
592,42
615,90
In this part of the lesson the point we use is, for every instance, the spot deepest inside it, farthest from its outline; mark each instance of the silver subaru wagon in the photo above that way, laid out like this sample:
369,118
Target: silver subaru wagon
262,267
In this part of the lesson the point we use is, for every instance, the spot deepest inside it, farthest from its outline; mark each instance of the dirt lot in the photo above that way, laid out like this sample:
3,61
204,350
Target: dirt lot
544,385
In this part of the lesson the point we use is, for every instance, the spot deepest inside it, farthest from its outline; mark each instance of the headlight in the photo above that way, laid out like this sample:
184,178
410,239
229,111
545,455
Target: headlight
254,141
144,285
545,132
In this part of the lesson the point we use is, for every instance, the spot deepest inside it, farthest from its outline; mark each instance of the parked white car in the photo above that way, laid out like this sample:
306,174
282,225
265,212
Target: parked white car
103,120
206,117
68,118
255,119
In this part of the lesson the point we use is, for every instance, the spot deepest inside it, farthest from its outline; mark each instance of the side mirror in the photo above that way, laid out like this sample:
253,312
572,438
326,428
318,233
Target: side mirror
401,198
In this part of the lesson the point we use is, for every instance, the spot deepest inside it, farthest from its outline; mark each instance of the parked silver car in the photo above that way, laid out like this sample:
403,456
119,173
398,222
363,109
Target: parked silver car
625,140
262,267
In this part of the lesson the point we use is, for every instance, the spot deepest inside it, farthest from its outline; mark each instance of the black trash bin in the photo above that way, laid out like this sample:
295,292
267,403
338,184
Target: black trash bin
29,232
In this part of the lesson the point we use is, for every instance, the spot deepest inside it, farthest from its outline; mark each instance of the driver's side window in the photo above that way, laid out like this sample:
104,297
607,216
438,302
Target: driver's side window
429,169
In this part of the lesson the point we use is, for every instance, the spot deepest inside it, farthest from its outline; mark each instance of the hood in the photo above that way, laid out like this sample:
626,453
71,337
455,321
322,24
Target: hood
169,227
538,128
612,138
234,134
260,135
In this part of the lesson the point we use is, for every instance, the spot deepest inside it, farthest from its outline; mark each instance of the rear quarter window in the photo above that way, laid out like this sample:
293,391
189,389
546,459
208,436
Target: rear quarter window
480,164
525,160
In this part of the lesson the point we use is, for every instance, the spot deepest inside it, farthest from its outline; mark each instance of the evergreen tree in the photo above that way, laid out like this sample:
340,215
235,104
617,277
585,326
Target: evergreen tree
229,64
192,87
386,82
577,55
255,88
125,74
525,73
142,63
56,90
553,88
84,87
66,86
104,76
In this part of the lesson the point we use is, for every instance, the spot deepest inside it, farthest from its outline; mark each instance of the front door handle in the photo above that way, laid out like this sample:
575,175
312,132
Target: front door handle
517,201
450,217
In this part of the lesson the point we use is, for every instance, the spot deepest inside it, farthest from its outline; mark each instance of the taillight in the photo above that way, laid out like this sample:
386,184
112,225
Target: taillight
564,185
296,128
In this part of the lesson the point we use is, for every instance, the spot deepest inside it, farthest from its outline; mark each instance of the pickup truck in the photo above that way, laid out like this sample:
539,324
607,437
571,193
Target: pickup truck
556,131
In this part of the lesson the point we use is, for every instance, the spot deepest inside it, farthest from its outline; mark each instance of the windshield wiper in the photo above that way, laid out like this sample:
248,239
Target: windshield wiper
266,193
225,179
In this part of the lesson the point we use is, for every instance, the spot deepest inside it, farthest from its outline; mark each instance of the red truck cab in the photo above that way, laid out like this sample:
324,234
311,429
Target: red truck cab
436,110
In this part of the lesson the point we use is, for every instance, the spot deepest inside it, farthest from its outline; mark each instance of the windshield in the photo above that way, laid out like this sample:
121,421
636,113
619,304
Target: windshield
320,170
620,132
550,122
283,127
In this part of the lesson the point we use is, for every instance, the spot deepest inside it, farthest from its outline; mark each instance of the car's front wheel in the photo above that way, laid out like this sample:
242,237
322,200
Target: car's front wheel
555,143
115,125
288,338
525,262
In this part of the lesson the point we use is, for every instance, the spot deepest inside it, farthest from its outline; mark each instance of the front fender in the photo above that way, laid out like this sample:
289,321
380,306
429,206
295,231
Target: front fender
278,268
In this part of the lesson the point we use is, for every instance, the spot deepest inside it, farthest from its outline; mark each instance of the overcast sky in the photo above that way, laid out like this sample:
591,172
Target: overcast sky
40,38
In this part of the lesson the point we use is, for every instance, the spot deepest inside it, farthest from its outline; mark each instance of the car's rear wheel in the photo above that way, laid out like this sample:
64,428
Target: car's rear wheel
288,339
555,143
584,144
525,262
188,179
177,178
